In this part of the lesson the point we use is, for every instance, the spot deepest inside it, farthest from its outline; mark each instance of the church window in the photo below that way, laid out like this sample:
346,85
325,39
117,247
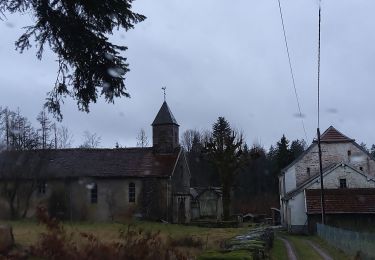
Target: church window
361,168
42,186
131,192
349,152
94,194
308,171
343,183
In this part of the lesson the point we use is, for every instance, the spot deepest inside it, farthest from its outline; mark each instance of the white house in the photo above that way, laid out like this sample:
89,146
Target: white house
349,184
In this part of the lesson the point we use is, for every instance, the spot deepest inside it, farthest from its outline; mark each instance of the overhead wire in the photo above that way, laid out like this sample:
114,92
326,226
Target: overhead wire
320,20
291,70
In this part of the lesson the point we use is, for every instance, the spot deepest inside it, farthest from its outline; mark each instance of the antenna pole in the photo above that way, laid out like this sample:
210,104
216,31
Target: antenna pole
322,203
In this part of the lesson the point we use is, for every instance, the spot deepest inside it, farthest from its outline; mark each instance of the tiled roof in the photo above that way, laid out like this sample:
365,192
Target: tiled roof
341,201
129,162
333,135
164,116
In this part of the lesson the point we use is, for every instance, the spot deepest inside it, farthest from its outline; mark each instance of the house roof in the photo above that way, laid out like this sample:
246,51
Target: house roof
164,116
341,201
332,135
65,163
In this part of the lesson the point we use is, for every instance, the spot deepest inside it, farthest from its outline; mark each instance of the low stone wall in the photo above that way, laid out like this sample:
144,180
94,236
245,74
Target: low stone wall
254,244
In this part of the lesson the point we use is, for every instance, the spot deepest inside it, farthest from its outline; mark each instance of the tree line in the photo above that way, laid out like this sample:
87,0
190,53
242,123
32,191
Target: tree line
18,133
248,175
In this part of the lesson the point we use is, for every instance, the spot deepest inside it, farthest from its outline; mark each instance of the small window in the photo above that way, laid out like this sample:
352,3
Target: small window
94,194
131,192
41,186
361,168
349,152
308,171
343,183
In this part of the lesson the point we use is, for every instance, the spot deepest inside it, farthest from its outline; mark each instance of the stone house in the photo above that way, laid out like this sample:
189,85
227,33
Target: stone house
101,184
348,178
206,203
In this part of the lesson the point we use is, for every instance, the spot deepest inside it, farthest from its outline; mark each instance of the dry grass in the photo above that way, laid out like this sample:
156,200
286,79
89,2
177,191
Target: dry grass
26,233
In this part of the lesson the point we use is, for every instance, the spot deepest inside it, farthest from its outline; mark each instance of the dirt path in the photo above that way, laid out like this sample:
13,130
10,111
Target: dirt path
289,248
320,251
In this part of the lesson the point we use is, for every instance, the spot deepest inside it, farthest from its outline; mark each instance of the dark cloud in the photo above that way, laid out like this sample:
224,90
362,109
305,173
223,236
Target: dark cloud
220,60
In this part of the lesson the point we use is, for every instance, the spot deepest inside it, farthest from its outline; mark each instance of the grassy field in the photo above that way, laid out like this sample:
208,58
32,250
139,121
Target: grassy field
278,251
26,233
303,249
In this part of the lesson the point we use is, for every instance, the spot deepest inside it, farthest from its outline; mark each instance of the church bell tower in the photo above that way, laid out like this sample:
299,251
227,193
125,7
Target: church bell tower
165,131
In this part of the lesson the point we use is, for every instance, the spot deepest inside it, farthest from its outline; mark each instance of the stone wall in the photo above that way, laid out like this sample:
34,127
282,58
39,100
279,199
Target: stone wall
332,153
165,138
112,199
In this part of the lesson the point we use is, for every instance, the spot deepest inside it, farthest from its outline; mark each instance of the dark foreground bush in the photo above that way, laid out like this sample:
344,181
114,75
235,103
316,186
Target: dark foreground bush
186,241
57,244
232,255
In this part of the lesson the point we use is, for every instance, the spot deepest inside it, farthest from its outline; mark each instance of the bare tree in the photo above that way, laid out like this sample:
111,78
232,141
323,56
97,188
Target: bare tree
45,129
90,140
64,138
189,137
142,140
19,180
16,131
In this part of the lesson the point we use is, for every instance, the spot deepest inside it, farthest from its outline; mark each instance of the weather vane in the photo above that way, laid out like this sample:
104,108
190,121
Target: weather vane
164,88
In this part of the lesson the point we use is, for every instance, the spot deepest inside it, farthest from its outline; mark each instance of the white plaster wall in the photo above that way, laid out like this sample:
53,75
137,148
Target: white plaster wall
290,179
298,210
353,179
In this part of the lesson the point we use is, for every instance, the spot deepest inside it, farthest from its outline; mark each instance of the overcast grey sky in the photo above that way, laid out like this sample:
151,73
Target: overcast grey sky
220,59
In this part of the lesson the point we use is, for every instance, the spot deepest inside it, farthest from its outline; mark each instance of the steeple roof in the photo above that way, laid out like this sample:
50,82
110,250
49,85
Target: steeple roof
333,135
164,116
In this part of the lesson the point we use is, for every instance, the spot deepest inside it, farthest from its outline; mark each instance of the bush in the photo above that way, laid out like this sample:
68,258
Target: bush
186,241
232,255
57,244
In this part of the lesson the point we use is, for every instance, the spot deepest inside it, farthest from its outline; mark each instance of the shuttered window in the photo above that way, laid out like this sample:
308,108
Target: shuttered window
131,192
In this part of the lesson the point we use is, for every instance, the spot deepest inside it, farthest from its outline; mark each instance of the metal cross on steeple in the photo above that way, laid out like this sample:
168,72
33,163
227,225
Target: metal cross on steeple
164,88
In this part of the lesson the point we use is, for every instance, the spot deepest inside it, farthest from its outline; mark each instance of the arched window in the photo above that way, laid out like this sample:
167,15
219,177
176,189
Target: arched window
94,194
131,192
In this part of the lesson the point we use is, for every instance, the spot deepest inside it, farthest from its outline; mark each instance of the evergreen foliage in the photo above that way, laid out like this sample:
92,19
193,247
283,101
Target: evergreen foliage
225,151
77,31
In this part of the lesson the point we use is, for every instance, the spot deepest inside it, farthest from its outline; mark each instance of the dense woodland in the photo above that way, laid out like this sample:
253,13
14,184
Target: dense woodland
255,188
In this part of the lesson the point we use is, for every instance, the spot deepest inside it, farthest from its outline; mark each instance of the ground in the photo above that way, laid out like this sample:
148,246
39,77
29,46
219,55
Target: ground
300,247
26,233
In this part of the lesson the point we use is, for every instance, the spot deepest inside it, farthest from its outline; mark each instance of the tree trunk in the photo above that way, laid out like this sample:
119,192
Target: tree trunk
226,200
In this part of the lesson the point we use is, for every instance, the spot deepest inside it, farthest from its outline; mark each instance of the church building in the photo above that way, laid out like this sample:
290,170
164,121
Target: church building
101,184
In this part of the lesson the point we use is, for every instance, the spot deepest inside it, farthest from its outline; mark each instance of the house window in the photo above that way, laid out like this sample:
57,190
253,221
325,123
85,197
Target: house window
94,194
308,171
361,168
349,152
343,183
41,186
131,192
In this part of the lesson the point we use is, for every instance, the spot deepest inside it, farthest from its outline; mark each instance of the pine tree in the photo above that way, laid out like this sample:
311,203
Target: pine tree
225,150
77,31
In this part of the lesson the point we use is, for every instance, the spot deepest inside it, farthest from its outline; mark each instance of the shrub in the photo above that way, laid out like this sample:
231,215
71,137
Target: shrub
56,244
186,241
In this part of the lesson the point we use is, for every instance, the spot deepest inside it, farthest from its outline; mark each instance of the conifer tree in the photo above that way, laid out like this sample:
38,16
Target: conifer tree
77,32
225,150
